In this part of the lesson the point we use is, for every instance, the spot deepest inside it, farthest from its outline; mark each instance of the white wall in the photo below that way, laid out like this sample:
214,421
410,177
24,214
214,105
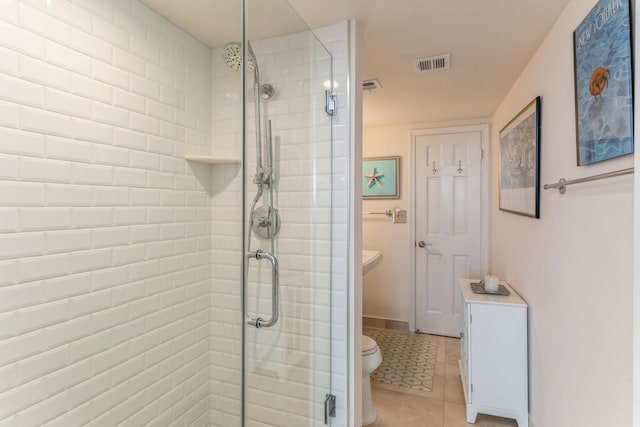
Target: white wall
574,265
105,265
352,178
386,288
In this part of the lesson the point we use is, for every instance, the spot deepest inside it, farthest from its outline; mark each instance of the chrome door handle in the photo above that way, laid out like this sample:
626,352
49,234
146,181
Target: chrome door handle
422,244
275,290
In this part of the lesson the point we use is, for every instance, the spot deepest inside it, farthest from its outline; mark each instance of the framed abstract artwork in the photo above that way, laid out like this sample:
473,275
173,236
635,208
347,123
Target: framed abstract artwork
380,178
520,162
603,83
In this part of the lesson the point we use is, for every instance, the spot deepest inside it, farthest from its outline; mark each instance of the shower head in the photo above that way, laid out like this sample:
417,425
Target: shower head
232,56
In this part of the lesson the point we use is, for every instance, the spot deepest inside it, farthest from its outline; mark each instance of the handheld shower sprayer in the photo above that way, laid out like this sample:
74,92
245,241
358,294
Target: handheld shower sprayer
233,58
265,223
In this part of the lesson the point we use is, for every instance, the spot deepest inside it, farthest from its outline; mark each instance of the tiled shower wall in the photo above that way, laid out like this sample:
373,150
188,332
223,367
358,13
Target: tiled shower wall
226,327
105,278
104,283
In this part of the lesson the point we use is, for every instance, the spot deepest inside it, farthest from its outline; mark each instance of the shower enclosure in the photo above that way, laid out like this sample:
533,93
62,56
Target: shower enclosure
169,213
284,335
271,225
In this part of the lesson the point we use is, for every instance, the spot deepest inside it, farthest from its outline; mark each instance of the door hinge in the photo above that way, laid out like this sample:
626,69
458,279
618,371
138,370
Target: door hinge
331,100
471,388
482,153
329,408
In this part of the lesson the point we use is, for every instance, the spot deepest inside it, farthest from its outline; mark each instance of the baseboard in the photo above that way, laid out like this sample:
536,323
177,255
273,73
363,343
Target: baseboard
376,322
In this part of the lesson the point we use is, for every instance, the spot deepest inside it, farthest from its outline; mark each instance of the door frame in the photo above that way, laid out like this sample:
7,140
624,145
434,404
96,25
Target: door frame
485,197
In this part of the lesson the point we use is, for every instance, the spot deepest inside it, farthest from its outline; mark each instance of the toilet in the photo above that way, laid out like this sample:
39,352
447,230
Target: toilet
371,360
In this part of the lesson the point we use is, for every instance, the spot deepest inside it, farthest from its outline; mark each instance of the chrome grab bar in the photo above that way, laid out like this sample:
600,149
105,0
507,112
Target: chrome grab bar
562,184
275,290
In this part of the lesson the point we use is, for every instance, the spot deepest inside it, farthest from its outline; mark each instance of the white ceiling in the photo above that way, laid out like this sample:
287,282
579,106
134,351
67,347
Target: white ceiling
490,42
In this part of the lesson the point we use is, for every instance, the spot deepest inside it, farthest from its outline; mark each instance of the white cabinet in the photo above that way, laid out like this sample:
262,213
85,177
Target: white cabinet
493,355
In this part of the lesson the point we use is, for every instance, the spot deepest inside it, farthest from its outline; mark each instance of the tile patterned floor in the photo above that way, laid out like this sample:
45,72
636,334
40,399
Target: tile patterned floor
443,406
408,362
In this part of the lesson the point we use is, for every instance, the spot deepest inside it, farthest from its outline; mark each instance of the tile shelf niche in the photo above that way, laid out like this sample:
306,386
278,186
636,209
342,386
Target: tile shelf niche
212,160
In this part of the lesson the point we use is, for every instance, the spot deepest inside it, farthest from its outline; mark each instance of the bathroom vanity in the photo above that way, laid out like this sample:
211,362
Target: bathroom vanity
493,354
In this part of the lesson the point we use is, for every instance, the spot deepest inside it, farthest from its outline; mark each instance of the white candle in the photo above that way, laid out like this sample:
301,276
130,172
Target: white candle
491,283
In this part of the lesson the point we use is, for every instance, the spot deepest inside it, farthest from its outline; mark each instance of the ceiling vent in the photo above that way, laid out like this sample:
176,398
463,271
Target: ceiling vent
433,63
371,84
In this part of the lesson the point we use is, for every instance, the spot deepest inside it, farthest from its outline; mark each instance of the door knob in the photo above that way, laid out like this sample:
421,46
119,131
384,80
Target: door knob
422,244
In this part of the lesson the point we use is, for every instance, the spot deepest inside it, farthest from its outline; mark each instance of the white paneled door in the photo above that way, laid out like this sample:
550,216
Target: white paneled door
448,227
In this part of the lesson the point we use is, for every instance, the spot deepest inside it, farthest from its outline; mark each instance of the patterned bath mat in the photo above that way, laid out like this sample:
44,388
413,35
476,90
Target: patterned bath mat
408,360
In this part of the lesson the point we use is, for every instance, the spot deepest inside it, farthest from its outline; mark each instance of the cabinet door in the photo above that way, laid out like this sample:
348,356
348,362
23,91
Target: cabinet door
498,356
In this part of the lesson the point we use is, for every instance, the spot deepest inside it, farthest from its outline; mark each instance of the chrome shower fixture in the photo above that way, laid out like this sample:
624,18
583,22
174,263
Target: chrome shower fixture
265,222
232,56
266,91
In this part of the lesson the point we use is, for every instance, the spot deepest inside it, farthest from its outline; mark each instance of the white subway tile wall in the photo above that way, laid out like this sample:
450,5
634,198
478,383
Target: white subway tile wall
105,273
110,238
226,327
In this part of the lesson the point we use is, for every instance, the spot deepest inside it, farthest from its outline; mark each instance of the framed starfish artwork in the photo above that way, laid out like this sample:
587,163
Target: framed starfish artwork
380,177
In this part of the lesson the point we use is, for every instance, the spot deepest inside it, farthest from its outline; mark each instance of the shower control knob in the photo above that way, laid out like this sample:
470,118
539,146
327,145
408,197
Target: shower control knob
265,222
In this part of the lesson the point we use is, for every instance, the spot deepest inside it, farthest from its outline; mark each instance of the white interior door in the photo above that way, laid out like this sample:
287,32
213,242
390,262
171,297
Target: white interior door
448,228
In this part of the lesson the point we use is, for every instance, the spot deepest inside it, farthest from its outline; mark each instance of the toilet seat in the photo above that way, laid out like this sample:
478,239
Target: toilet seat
369,346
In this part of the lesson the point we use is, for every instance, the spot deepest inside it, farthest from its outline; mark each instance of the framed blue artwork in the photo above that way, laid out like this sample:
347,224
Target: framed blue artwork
604,83
520,163
380,178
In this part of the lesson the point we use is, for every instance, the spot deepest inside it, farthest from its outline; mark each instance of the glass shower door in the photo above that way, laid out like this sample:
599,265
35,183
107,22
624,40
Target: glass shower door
287,218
